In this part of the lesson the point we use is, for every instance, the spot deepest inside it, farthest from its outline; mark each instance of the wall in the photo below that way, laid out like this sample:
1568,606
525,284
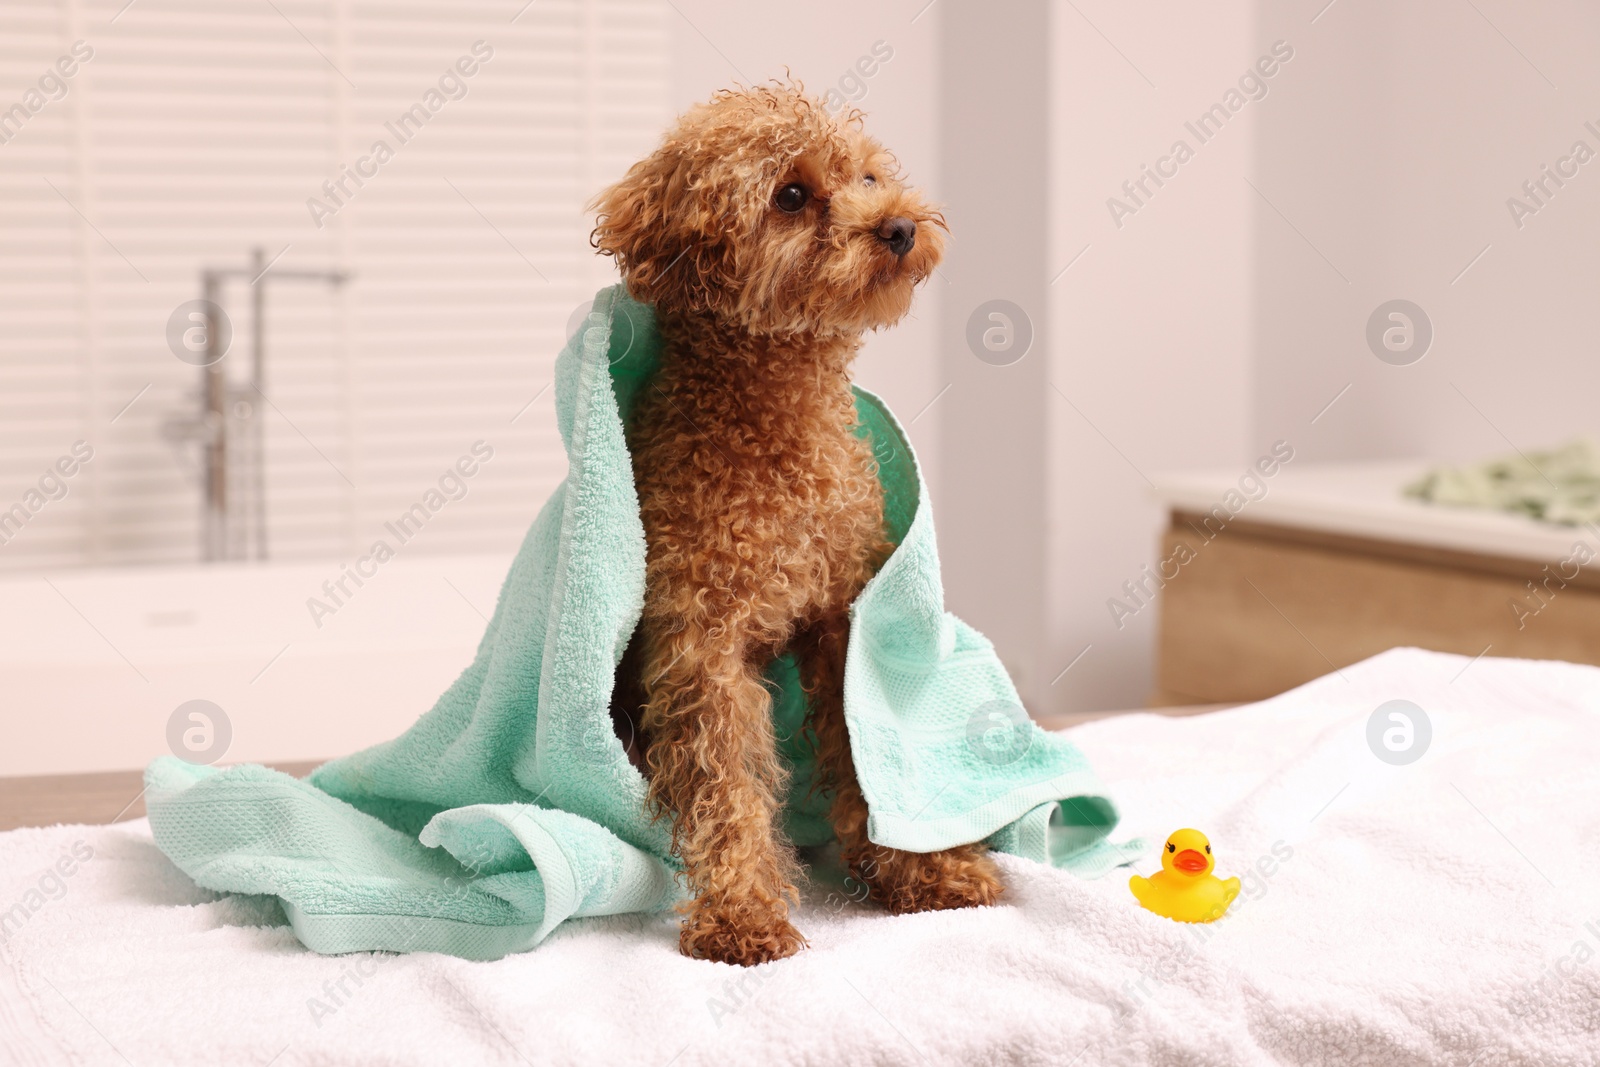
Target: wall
1395,150
995,333
1150,361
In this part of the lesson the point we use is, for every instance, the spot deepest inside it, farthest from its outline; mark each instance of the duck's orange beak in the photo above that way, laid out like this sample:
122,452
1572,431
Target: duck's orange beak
1189,860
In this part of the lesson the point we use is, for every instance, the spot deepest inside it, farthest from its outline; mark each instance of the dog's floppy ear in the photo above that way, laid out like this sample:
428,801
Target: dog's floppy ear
663,231
631,226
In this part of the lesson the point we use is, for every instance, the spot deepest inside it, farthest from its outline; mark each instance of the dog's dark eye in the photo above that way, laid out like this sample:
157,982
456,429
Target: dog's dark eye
791,198
1171,847
869,180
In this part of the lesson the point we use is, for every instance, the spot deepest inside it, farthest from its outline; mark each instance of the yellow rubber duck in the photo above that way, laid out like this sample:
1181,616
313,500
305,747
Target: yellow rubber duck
1185,889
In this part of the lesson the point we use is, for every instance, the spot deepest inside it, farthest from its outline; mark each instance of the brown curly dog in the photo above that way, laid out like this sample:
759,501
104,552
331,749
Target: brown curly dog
769,236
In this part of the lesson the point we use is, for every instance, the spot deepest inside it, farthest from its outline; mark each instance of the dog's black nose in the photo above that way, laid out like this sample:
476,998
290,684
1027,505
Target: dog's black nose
900,234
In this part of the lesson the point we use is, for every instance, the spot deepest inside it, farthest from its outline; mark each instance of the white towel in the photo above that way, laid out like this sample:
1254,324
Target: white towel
1444,911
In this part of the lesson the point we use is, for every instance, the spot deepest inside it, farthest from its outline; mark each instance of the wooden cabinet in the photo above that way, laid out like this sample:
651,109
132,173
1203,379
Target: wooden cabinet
1287,590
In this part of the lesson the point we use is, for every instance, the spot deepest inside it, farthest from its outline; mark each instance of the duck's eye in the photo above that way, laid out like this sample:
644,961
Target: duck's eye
791,198
1208,850
1171,847
869,180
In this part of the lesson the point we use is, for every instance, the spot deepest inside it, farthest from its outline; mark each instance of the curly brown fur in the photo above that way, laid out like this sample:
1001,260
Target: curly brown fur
761,504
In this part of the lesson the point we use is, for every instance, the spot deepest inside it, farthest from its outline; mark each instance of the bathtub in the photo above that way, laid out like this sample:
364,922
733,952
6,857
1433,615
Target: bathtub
95,664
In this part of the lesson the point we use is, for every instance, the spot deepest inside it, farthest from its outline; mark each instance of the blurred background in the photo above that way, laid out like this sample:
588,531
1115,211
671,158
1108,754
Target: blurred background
1183,219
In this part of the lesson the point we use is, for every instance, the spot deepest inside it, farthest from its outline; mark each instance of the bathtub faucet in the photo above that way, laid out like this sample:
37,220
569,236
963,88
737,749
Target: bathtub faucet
230,429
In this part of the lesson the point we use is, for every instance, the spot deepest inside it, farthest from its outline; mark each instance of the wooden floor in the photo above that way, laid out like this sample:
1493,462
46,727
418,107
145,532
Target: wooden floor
110,796
116,796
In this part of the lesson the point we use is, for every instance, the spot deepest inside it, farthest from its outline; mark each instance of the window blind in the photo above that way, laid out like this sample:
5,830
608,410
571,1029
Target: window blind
190,132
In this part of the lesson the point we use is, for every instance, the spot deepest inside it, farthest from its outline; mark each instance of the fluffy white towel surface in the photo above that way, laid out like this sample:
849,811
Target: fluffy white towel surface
1441,911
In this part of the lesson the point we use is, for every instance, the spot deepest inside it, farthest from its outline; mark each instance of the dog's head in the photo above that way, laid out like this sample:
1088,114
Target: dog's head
763,210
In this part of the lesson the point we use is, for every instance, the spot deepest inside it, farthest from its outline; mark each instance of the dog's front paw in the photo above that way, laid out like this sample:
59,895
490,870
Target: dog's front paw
743,934
961,877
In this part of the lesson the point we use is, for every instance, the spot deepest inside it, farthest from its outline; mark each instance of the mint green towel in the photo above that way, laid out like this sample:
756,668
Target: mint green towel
511,806
1557,485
